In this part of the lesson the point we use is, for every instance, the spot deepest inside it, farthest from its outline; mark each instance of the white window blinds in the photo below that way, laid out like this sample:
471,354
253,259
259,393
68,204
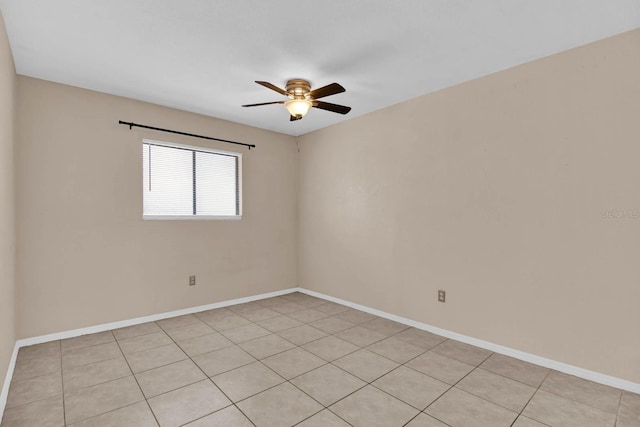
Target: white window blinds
182,182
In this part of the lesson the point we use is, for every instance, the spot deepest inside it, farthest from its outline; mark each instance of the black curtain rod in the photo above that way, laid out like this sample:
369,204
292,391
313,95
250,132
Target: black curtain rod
131,125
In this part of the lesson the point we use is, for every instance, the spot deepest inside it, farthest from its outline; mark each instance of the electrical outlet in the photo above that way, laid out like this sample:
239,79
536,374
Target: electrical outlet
192,280
441,296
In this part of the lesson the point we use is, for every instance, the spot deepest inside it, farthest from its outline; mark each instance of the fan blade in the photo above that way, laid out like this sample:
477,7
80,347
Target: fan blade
264,103
327,90
273,87
335,108
294,118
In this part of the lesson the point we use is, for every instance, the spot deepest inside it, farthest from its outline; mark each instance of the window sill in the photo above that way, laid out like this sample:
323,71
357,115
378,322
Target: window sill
191,217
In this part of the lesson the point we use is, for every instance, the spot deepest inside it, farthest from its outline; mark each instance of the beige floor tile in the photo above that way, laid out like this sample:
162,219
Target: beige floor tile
100,390
287,307
228,322
330,348
269,302
136,330
247,307
356,316
306,300
227,417
370,407
308,315
144,342
155,357
440,367
187,332
331,325
84,356
262,313
302,334
204,344
583,391
412,387
463,352
395,349
332,308
188,403
86,341
178,322
423,339
630,407
170,377
527,422
266,346
245,333
99,399
226,359
312,303
95,373
461,409
246,381
554,410
280,323
215,314
294,362
32,389
384,326
361,336
280,406
515,369
293,296
365,365
138,415
42,413
424,420
495,388
328,384
40,350
324,418
34,367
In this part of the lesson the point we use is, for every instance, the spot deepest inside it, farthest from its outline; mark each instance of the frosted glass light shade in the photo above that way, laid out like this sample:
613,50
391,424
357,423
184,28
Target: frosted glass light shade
298,107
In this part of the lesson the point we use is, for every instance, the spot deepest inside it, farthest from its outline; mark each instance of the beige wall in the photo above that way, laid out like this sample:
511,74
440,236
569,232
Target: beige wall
494,191
7,204
86,257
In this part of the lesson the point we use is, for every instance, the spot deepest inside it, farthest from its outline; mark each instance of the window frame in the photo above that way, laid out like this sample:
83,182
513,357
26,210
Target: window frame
196,148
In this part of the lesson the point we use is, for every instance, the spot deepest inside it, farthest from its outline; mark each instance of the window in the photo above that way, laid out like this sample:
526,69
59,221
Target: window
184,182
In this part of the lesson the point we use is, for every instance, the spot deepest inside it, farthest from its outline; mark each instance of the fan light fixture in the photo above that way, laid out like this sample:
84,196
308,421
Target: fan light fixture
302,98
298,107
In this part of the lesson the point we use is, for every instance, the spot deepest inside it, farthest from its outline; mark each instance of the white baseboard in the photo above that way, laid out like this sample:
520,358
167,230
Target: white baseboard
121,324
517,354
7,380
154,317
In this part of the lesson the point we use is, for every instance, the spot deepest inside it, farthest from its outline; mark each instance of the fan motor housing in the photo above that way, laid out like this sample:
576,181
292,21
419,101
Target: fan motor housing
298,88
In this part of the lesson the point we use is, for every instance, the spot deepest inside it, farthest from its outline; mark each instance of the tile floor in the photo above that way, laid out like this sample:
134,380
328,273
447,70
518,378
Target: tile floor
295,360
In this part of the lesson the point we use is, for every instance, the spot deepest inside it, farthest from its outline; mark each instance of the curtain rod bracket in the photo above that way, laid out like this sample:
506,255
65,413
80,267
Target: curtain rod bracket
132,125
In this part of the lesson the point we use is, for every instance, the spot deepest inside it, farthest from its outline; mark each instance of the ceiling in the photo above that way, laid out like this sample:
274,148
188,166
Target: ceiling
203,56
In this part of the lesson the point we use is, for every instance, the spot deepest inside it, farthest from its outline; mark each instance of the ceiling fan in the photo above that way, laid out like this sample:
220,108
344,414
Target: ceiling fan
302,98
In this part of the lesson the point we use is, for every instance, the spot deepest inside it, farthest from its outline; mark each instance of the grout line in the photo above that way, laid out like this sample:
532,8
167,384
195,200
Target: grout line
138,383
299,346
64,408
619,407
531,398
208,378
